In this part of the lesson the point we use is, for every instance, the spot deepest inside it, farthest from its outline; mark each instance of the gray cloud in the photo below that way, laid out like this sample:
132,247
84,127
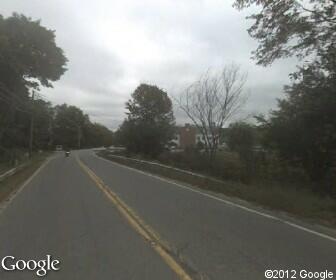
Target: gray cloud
112,46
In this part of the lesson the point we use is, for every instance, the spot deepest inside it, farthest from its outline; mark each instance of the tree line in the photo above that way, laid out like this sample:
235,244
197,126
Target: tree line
30,60
302,130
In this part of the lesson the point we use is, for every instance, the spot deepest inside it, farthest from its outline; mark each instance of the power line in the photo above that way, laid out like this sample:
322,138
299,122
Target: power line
13,94
8,101
40,96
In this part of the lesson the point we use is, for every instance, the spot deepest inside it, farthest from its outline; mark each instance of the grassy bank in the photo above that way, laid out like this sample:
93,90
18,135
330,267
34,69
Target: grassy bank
13,182
297,201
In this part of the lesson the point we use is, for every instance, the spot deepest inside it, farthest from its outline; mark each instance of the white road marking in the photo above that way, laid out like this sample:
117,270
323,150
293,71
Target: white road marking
223,200
4,205
309,230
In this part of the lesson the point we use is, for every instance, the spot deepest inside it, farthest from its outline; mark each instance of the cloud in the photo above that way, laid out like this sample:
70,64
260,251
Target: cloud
112,46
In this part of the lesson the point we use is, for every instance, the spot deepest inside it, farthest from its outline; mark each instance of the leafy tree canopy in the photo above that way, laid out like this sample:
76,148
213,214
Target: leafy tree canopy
29,55
29,58
68,124
303,128
293,27
150,121
150,104
73,129
241,137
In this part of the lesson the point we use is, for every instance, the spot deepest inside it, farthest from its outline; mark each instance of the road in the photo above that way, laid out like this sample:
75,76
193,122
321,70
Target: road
61,212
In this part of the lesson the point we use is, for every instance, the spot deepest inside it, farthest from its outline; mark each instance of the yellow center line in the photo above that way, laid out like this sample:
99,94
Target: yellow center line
138,224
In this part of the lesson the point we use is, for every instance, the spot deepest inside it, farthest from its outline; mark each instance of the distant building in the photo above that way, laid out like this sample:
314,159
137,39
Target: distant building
188,136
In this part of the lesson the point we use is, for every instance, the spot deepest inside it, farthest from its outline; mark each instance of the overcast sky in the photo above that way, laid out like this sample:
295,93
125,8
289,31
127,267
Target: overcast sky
112,46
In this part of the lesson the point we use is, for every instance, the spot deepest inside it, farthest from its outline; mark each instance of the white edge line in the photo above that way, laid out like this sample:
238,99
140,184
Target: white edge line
223,200
5,204
309,230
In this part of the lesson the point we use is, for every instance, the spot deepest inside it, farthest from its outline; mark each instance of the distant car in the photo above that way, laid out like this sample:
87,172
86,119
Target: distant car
59,148
222,147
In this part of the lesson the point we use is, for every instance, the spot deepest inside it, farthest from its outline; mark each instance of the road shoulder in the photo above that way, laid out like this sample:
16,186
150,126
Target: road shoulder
13,185
304,224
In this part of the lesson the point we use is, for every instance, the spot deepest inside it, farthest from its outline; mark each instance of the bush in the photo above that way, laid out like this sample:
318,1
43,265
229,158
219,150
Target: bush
271,194
267,169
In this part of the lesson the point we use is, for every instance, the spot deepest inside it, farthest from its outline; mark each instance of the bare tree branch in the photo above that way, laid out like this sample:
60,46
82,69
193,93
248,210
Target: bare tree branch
212,101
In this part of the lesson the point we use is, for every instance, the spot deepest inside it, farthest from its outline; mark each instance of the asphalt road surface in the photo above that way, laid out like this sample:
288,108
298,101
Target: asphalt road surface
63,213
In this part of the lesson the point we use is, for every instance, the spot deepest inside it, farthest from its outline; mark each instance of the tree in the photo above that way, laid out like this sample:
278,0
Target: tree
96,135
68,126
73,129
43,119
29,58
212,101
295,27
303,128
241,138
150,121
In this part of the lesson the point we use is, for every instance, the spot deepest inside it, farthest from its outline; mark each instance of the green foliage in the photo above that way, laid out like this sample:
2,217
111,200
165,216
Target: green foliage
29,54
274,195
241,138
43,119
73,129
68,124
97,135
294,27
150,123
29,58
303,129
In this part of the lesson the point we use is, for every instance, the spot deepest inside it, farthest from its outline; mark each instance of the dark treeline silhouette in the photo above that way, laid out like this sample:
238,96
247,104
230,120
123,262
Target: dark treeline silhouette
29,60
149,126
303,129
300,135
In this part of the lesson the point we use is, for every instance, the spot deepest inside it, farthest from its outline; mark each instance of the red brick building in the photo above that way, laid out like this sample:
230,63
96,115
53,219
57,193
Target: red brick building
186,136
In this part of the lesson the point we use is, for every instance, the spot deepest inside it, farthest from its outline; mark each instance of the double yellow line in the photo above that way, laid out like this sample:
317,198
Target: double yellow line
138,224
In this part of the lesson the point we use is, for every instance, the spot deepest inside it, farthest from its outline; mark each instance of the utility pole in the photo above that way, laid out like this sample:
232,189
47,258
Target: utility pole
31,131
79,136
50,132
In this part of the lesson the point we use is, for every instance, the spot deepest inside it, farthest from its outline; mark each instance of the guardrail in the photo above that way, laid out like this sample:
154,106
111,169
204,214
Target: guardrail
8,173
11,172
170,172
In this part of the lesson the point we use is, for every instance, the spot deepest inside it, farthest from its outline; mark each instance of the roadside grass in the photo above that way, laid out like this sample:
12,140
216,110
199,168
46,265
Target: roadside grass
11,183
3,168
294,200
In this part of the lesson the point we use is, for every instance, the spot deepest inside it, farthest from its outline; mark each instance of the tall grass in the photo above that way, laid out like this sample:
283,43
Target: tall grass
273,185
